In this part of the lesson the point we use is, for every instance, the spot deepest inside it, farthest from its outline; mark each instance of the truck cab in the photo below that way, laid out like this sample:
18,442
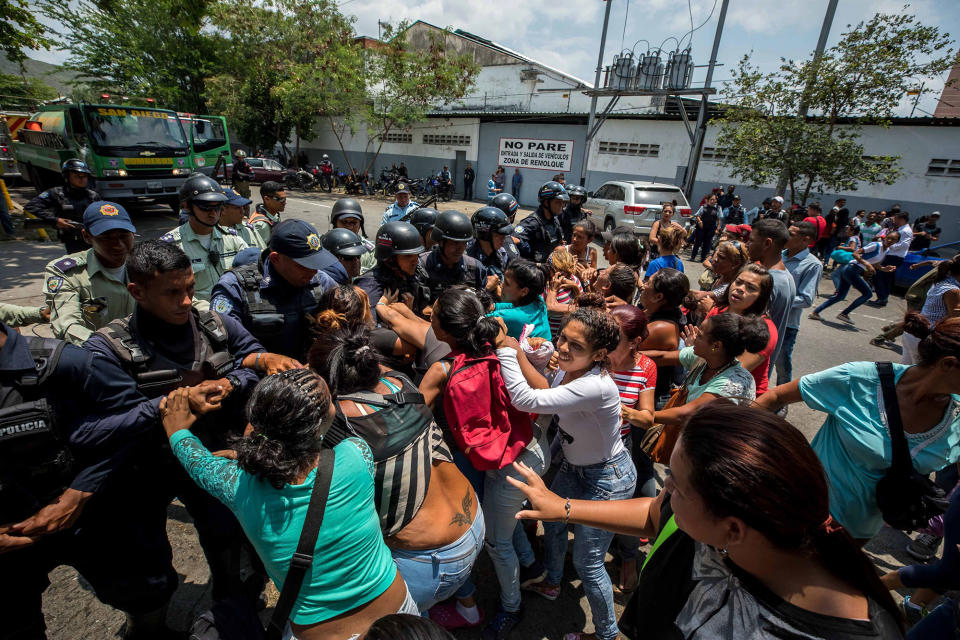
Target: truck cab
209,142
136,153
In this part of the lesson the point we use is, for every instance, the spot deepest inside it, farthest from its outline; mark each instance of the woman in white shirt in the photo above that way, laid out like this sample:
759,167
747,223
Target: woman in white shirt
596,464
865,261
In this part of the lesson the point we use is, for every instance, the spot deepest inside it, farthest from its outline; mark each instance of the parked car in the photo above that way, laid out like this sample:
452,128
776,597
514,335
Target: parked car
264,169
905,276
634,203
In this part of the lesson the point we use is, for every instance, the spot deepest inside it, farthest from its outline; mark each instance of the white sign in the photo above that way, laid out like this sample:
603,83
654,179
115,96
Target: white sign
535,153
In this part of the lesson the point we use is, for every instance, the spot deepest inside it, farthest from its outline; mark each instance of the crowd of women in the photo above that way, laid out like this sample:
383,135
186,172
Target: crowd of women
553,404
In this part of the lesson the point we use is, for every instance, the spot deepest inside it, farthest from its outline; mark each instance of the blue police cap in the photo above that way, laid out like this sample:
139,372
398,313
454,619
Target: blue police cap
298,240
102,216
234,198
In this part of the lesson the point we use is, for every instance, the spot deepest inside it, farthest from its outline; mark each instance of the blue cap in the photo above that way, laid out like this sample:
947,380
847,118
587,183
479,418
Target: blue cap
298,240
234,198
102,216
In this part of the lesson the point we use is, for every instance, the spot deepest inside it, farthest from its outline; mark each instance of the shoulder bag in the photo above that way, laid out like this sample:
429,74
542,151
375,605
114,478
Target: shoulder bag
659,440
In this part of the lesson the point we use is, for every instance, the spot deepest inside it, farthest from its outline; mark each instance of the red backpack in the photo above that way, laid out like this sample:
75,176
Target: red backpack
485,424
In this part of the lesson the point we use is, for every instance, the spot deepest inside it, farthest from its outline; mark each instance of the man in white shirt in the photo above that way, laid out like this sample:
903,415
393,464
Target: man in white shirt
895,255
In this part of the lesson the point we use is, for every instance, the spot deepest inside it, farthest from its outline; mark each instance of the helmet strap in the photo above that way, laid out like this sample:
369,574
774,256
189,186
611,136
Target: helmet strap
195,217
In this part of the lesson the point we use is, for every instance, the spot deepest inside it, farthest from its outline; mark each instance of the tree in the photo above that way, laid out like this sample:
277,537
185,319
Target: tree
402,85
859,81
20,29
17,92
158,48
306,65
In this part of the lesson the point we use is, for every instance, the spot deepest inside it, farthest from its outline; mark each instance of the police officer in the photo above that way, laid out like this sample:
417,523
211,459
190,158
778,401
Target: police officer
273,297
63,207
347,214
211,249
165,344
540,232
401,206
491,227
347,247
423,218
86,290
446,265
232,218
268,212
59,500
397,249
574,211
14,315
242,174
506,203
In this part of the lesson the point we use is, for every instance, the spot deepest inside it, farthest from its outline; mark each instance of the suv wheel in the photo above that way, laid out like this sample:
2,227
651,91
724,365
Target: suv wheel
608,224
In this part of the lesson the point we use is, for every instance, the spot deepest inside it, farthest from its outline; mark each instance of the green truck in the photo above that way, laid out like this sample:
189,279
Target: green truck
136,153
210,143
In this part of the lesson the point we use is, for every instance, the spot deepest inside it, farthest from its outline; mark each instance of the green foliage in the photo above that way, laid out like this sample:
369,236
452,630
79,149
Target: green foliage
17,92
163,49
20,29
859,81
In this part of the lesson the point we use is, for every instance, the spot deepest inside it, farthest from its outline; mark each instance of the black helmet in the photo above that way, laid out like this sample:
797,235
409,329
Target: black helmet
489,220
76,165
577,190
343,242
201,188
397,239
452,225
552,191
423,218
506,203
346,206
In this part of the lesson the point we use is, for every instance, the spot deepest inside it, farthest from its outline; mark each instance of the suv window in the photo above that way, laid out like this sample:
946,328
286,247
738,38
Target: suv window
601,193
659,194
616,193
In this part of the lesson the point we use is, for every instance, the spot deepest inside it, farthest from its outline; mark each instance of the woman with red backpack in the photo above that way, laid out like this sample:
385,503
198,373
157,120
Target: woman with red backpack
596,463
470,401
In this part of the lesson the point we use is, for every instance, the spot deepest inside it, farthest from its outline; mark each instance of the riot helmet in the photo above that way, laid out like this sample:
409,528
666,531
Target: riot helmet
452,225
74,165
200,188
552,190
506,203
396,239
346,207
423,218
489,220
578,191
343,242
240,154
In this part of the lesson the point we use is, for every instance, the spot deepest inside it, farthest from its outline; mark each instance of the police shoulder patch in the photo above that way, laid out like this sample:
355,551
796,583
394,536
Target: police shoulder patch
221,304
65,264
229,231
45,194
54,283
168,237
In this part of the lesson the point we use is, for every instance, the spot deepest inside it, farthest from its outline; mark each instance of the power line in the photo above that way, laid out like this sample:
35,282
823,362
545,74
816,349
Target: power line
625,16
692,29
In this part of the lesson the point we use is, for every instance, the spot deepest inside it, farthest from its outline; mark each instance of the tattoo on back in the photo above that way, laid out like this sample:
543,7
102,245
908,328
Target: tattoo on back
463,518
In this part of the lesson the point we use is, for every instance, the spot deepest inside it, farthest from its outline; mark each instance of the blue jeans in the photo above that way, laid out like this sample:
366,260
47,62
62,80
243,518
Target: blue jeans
785,360
501,502
884,281
850,276
939,624
433,575
614,479
629,546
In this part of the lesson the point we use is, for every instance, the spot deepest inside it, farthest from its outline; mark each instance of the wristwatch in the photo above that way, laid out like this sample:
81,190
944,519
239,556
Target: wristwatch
234,380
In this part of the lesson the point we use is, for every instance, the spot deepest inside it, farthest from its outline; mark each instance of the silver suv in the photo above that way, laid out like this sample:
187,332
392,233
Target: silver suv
634,203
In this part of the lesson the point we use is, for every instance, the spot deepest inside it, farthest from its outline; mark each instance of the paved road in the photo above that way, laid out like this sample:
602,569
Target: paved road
73,612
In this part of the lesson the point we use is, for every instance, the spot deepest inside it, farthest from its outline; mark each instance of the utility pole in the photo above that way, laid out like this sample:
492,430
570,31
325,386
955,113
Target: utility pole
693,162
593,100
811,79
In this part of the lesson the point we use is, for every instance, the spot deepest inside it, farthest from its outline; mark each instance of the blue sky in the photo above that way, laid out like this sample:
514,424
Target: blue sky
566,33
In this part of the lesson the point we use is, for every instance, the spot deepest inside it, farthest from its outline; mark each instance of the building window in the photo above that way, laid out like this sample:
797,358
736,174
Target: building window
944,167
446,139
630,149
401,138
714,154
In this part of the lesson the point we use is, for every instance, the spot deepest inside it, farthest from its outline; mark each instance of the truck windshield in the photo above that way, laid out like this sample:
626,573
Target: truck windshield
128,129
208,134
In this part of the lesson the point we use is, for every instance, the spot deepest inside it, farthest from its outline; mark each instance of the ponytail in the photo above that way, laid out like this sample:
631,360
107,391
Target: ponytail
346,360
528,275
739,333
461,314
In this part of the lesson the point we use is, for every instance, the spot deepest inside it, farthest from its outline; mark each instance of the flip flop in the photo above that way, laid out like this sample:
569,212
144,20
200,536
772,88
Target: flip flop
447,616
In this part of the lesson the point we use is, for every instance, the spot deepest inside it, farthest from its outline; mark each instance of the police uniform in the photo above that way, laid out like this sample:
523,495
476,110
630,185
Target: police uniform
538,236
16,316
64,202
83,296
263,222
268,306
496,262
248,233
395,212
379,279
438,277
79,440
569,217
208,264
157,358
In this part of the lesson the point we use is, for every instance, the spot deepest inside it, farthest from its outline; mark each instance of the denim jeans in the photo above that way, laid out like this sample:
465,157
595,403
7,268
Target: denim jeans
939,624
501,502
785,359
629,546
850,276
883,280
614,479
433,575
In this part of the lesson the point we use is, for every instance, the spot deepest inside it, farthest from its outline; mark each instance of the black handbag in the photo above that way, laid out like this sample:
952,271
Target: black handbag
233,620
907,499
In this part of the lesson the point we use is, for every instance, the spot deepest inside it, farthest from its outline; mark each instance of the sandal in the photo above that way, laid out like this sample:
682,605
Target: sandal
447,616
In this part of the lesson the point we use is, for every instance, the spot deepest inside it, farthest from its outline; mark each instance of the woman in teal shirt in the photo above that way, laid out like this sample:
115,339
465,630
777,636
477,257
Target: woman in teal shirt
268,485
523,282
854,443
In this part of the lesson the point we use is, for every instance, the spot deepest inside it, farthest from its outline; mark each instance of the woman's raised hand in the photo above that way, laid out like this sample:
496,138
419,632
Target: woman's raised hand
545,505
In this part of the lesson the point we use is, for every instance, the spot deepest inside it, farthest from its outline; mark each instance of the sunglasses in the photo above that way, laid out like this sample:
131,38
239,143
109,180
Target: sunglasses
208,207
283,199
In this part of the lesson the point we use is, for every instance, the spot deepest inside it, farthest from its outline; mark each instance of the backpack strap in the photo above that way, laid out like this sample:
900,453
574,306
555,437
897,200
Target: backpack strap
46,354
303,558
249,277
898,440
212,327
125,346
